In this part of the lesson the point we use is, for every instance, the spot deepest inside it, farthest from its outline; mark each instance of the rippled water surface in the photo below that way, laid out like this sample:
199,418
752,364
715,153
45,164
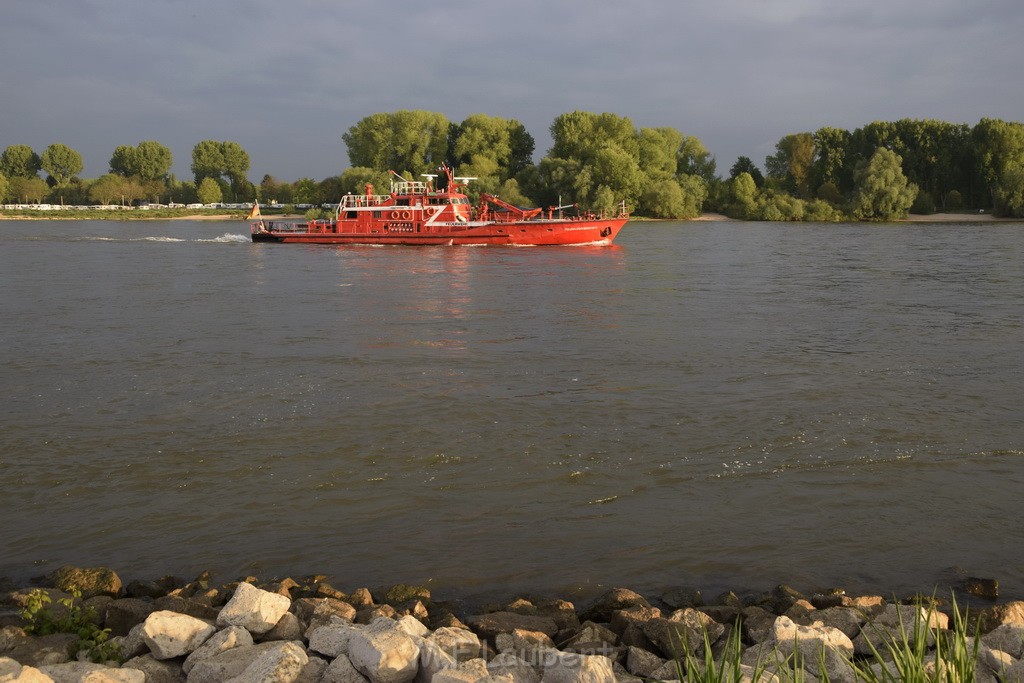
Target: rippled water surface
705,404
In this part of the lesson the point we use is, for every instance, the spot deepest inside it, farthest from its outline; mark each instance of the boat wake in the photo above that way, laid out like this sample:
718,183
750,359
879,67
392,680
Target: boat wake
229,238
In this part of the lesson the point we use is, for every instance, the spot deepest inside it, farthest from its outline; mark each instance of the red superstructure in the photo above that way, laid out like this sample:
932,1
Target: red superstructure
417,212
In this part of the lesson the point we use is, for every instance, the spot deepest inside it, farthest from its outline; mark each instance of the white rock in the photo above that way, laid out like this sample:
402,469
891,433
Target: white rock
472,671
461,644
433,660
232,636
567,667
170,634
87,672
254,609
282,662
383,656
819,647
413,626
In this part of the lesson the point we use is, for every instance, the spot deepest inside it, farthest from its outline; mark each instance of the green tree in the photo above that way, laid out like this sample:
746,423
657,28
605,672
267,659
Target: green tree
227,163
28,190
207,161
504,141
405,141
354,181
590,152
5,186
882,190
792,162
19,161
62,163
999,149
744,195
745,165
208,191
695,159
659,150
115,188
831,150
148,161
236,166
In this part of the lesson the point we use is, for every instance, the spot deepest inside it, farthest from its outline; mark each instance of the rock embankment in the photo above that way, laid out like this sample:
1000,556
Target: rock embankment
309,632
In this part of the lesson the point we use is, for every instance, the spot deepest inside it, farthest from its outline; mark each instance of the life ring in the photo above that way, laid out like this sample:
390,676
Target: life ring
406,215
396,215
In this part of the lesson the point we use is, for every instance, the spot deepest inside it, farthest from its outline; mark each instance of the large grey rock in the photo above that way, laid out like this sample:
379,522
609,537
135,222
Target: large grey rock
332,639
342,671
1006,637
282,662
156,670
87,672
642,663
169,634
121,615
1009,613
254,609
44,650
383,655
314,671
287,627
513,668
682,632
562,667
11,670
221,641
232,663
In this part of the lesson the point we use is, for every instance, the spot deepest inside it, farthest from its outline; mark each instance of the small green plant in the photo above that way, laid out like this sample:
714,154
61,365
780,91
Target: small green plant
41,620
703,668
956,651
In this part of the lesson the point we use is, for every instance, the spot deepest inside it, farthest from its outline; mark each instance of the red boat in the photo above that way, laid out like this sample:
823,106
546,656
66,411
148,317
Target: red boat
418,212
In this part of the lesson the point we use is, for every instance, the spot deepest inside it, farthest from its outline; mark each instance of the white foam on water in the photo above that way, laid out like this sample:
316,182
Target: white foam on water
229,238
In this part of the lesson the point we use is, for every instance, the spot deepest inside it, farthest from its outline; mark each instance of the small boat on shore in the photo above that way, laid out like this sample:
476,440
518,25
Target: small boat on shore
422,213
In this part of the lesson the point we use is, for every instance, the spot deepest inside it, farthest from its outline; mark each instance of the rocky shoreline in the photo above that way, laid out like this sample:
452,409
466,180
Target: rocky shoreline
308,631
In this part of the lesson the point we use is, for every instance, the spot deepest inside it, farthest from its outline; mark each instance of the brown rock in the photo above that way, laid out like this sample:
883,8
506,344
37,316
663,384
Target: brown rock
491,624
89,581
982,588
612,601
997,615
637,614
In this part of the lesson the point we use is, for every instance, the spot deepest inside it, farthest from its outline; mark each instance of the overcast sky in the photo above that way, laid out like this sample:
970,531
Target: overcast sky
286,78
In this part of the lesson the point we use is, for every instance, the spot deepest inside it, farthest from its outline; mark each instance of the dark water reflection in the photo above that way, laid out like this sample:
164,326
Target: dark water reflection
711,405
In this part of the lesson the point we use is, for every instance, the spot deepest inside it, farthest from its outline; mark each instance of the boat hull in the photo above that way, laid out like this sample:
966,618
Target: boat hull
527,233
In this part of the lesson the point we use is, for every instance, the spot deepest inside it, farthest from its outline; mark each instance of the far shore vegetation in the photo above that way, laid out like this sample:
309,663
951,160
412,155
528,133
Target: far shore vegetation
879,172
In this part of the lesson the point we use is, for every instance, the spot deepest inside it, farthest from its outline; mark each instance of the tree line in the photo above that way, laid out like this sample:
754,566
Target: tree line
877,172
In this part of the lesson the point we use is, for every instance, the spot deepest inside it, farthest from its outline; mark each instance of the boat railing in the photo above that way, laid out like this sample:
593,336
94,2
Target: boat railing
409,187
353,200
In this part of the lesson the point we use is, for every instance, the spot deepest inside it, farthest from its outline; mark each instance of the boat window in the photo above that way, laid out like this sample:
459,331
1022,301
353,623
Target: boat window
350,214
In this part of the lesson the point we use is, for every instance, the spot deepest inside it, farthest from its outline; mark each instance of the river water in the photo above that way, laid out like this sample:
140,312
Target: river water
709,405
